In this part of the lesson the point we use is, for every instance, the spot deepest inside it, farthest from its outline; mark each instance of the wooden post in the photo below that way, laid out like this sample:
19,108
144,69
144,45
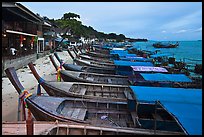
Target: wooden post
29,124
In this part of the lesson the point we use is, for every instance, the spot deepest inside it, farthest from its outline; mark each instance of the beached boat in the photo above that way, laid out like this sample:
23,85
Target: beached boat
143,76
95,48
122,55
98,54
87,77
122,67
84,90
104,113
163,80
113,67
63,128
95,64
71,129
162,45
89,58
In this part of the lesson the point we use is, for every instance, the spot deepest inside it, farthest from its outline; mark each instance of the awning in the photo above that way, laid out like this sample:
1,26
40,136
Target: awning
148,69
184,104
166,77
20,33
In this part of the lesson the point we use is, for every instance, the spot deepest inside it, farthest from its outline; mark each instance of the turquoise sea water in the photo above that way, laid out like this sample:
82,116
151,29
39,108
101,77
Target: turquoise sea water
185,51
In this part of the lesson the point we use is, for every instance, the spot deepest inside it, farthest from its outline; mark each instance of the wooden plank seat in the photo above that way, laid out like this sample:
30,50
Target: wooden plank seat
128,95
134,118
77,113
157,117
110,81
82,91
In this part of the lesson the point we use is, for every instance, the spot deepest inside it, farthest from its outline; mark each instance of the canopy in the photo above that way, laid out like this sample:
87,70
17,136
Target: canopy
129,63
132,58
114,49
166,77
119,52
184,104
148,69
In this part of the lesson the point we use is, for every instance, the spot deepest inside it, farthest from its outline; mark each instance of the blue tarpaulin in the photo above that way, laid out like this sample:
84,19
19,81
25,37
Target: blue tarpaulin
119,52
184,104
129,63
166,77
128,58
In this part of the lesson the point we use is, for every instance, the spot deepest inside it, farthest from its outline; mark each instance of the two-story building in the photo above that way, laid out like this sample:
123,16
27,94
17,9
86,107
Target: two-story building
22,35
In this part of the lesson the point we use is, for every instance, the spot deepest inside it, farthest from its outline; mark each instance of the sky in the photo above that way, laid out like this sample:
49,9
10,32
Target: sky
151,20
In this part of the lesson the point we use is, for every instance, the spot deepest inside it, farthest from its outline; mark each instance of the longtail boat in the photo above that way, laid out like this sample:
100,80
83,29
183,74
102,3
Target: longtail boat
101,55
131,114
86,57
158,77
84,90
87,77
96,68
93,53
165,45
63,128
93,63
115,56
117,63
71,129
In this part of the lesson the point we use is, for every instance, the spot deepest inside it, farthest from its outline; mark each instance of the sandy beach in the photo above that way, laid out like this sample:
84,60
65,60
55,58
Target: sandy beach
45,69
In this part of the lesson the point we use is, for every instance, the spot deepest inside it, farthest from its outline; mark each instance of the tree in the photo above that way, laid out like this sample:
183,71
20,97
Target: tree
69,20
70,16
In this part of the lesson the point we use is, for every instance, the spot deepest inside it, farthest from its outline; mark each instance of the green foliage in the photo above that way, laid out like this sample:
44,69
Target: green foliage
78,30
70,16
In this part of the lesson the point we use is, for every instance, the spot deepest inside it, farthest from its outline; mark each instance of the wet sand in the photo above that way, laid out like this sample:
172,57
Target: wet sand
44,68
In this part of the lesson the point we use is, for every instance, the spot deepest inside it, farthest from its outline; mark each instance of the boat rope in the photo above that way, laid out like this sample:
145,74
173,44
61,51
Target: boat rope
61,64
22,101
58,74
40,81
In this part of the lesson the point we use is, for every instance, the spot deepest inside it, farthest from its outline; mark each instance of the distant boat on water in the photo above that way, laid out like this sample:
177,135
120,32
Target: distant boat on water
165,45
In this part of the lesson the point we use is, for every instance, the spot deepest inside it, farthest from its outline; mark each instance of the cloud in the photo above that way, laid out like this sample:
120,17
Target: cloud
163,31
181,31
198,30
184,21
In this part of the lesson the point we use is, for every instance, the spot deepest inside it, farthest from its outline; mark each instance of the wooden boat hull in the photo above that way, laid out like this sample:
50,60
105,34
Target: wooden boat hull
70,129
85,57
164,46
90,115
94,64
87,69
105,113
93,78
63,128
95,54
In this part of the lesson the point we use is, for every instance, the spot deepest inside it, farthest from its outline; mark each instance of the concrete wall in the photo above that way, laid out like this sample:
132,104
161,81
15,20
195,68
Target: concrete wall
17,63
20,62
